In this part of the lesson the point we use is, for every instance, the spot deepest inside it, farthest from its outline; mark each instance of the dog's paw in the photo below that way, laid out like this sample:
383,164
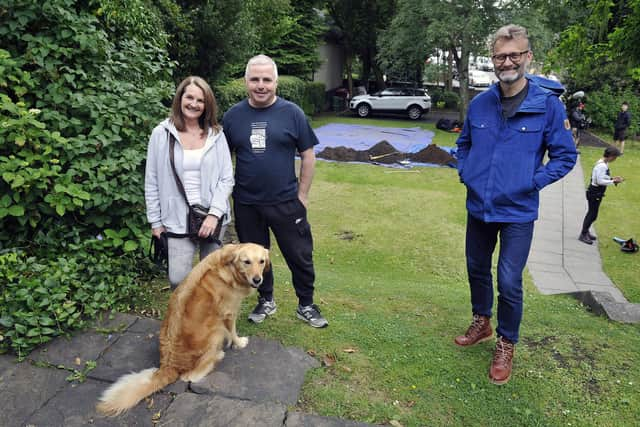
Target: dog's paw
241,342
192,376
219,356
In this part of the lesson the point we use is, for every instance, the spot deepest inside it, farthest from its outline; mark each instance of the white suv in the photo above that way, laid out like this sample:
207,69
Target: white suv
413,102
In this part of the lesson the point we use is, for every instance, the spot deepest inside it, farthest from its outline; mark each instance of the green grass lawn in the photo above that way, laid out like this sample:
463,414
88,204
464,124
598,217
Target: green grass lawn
618,216
391,280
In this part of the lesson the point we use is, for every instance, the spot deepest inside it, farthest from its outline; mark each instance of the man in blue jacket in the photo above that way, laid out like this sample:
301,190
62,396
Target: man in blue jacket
501,160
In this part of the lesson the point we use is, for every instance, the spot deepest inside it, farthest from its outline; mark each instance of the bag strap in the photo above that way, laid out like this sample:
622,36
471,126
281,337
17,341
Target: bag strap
172,144
216,232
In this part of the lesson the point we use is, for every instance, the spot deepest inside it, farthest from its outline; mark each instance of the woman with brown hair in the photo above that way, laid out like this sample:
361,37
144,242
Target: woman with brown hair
192,138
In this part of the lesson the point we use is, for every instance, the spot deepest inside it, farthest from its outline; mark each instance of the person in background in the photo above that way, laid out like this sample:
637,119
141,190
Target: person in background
265,132
507,132
578,122
600,180
203,164
623,121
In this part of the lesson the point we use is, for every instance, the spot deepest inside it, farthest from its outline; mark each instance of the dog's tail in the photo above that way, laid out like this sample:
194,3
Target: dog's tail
130,389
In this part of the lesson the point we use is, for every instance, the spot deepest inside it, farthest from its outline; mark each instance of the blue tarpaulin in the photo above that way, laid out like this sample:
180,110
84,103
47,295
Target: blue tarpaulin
362,137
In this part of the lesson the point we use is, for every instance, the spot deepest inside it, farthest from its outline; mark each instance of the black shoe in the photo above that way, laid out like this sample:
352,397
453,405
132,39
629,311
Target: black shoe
263,309
584,238
311,315
591,236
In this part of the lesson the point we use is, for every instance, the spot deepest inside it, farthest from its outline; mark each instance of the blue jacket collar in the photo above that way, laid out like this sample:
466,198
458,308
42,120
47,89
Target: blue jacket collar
540,89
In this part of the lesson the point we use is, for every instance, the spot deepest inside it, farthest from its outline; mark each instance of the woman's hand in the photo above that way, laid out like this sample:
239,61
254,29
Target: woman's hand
158,231
208,226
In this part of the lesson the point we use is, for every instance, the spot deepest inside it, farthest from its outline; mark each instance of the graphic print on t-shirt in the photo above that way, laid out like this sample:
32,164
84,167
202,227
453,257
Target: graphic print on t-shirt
258,137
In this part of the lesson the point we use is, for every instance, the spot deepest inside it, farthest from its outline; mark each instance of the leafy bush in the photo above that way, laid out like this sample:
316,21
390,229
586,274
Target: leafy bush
229,94
449,98
42,298
603,107
314,98
308,95
77,104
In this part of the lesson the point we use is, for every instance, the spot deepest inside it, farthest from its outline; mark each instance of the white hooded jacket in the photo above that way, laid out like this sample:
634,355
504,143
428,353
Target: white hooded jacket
165,204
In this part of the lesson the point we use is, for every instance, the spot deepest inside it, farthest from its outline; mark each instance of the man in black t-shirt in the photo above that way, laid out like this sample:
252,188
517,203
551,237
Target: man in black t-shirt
265,132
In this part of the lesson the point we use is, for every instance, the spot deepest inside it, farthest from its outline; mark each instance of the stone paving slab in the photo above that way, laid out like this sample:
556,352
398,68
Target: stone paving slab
262,371
560,263
574,262
73,352
25,388
250,387
544,257
595,278
74,406
114,322
193,410
613,292
553,283
130,352
601,303
546,268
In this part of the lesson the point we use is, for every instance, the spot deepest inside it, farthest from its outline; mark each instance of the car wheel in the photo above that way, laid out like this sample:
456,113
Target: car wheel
414,112
363,110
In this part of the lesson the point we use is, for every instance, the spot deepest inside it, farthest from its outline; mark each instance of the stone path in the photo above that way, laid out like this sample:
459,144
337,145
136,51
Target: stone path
254,386
560,263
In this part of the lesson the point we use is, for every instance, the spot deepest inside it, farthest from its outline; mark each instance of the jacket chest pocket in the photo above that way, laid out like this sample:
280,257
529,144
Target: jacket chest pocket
483,131
526,132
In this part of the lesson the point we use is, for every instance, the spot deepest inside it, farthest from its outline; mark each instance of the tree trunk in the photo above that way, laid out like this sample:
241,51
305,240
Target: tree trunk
463,67
348,63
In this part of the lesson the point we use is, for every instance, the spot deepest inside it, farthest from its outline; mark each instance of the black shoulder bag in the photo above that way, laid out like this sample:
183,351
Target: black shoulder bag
196,213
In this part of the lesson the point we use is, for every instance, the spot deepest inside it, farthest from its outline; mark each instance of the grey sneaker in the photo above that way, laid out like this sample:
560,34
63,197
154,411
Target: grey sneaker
311,315
263,309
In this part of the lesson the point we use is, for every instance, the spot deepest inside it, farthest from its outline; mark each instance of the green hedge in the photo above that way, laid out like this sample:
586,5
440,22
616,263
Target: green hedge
603,107
308,95
77,104
450,98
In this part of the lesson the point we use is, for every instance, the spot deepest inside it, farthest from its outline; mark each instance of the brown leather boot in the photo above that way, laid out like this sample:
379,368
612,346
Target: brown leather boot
479,331
500,370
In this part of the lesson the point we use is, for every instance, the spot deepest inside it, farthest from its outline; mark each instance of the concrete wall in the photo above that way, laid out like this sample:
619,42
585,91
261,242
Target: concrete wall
330,71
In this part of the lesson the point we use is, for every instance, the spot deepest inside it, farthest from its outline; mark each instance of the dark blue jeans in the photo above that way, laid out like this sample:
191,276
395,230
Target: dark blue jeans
515,242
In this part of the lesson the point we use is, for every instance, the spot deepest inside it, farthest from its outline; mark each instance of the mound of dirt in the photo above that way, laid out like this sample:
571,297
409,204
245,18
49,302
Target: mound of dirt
384,152
344,154
433,154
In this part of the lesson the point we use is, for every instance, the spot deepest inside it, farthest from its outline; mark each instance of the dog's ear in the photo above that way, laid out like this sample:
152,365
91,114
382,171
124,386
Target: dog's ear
229,253
267,260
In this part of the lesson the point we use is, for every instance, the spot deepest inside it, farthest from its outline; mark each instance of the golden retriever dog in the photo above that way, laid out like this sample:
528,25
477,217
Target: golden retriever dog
200,322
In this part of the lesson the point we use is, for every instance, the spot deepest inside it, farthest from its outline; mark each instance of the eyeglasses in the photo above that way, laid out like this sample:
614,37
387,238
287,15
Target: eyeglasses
515,57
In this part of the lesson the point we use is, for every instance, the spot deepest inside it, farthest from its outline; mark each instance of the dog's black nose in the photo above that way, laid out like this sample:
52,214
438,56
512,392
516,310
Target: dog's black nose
256,281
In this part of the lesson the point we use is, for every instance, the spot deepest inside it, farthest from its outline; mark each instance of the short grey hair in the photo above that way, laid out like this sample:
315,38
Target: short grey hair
509,32
261,60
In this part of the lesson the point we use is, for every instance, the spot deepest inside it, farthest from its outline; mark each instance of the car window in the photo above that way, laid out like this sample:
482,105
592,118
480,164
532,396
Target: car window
392,91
